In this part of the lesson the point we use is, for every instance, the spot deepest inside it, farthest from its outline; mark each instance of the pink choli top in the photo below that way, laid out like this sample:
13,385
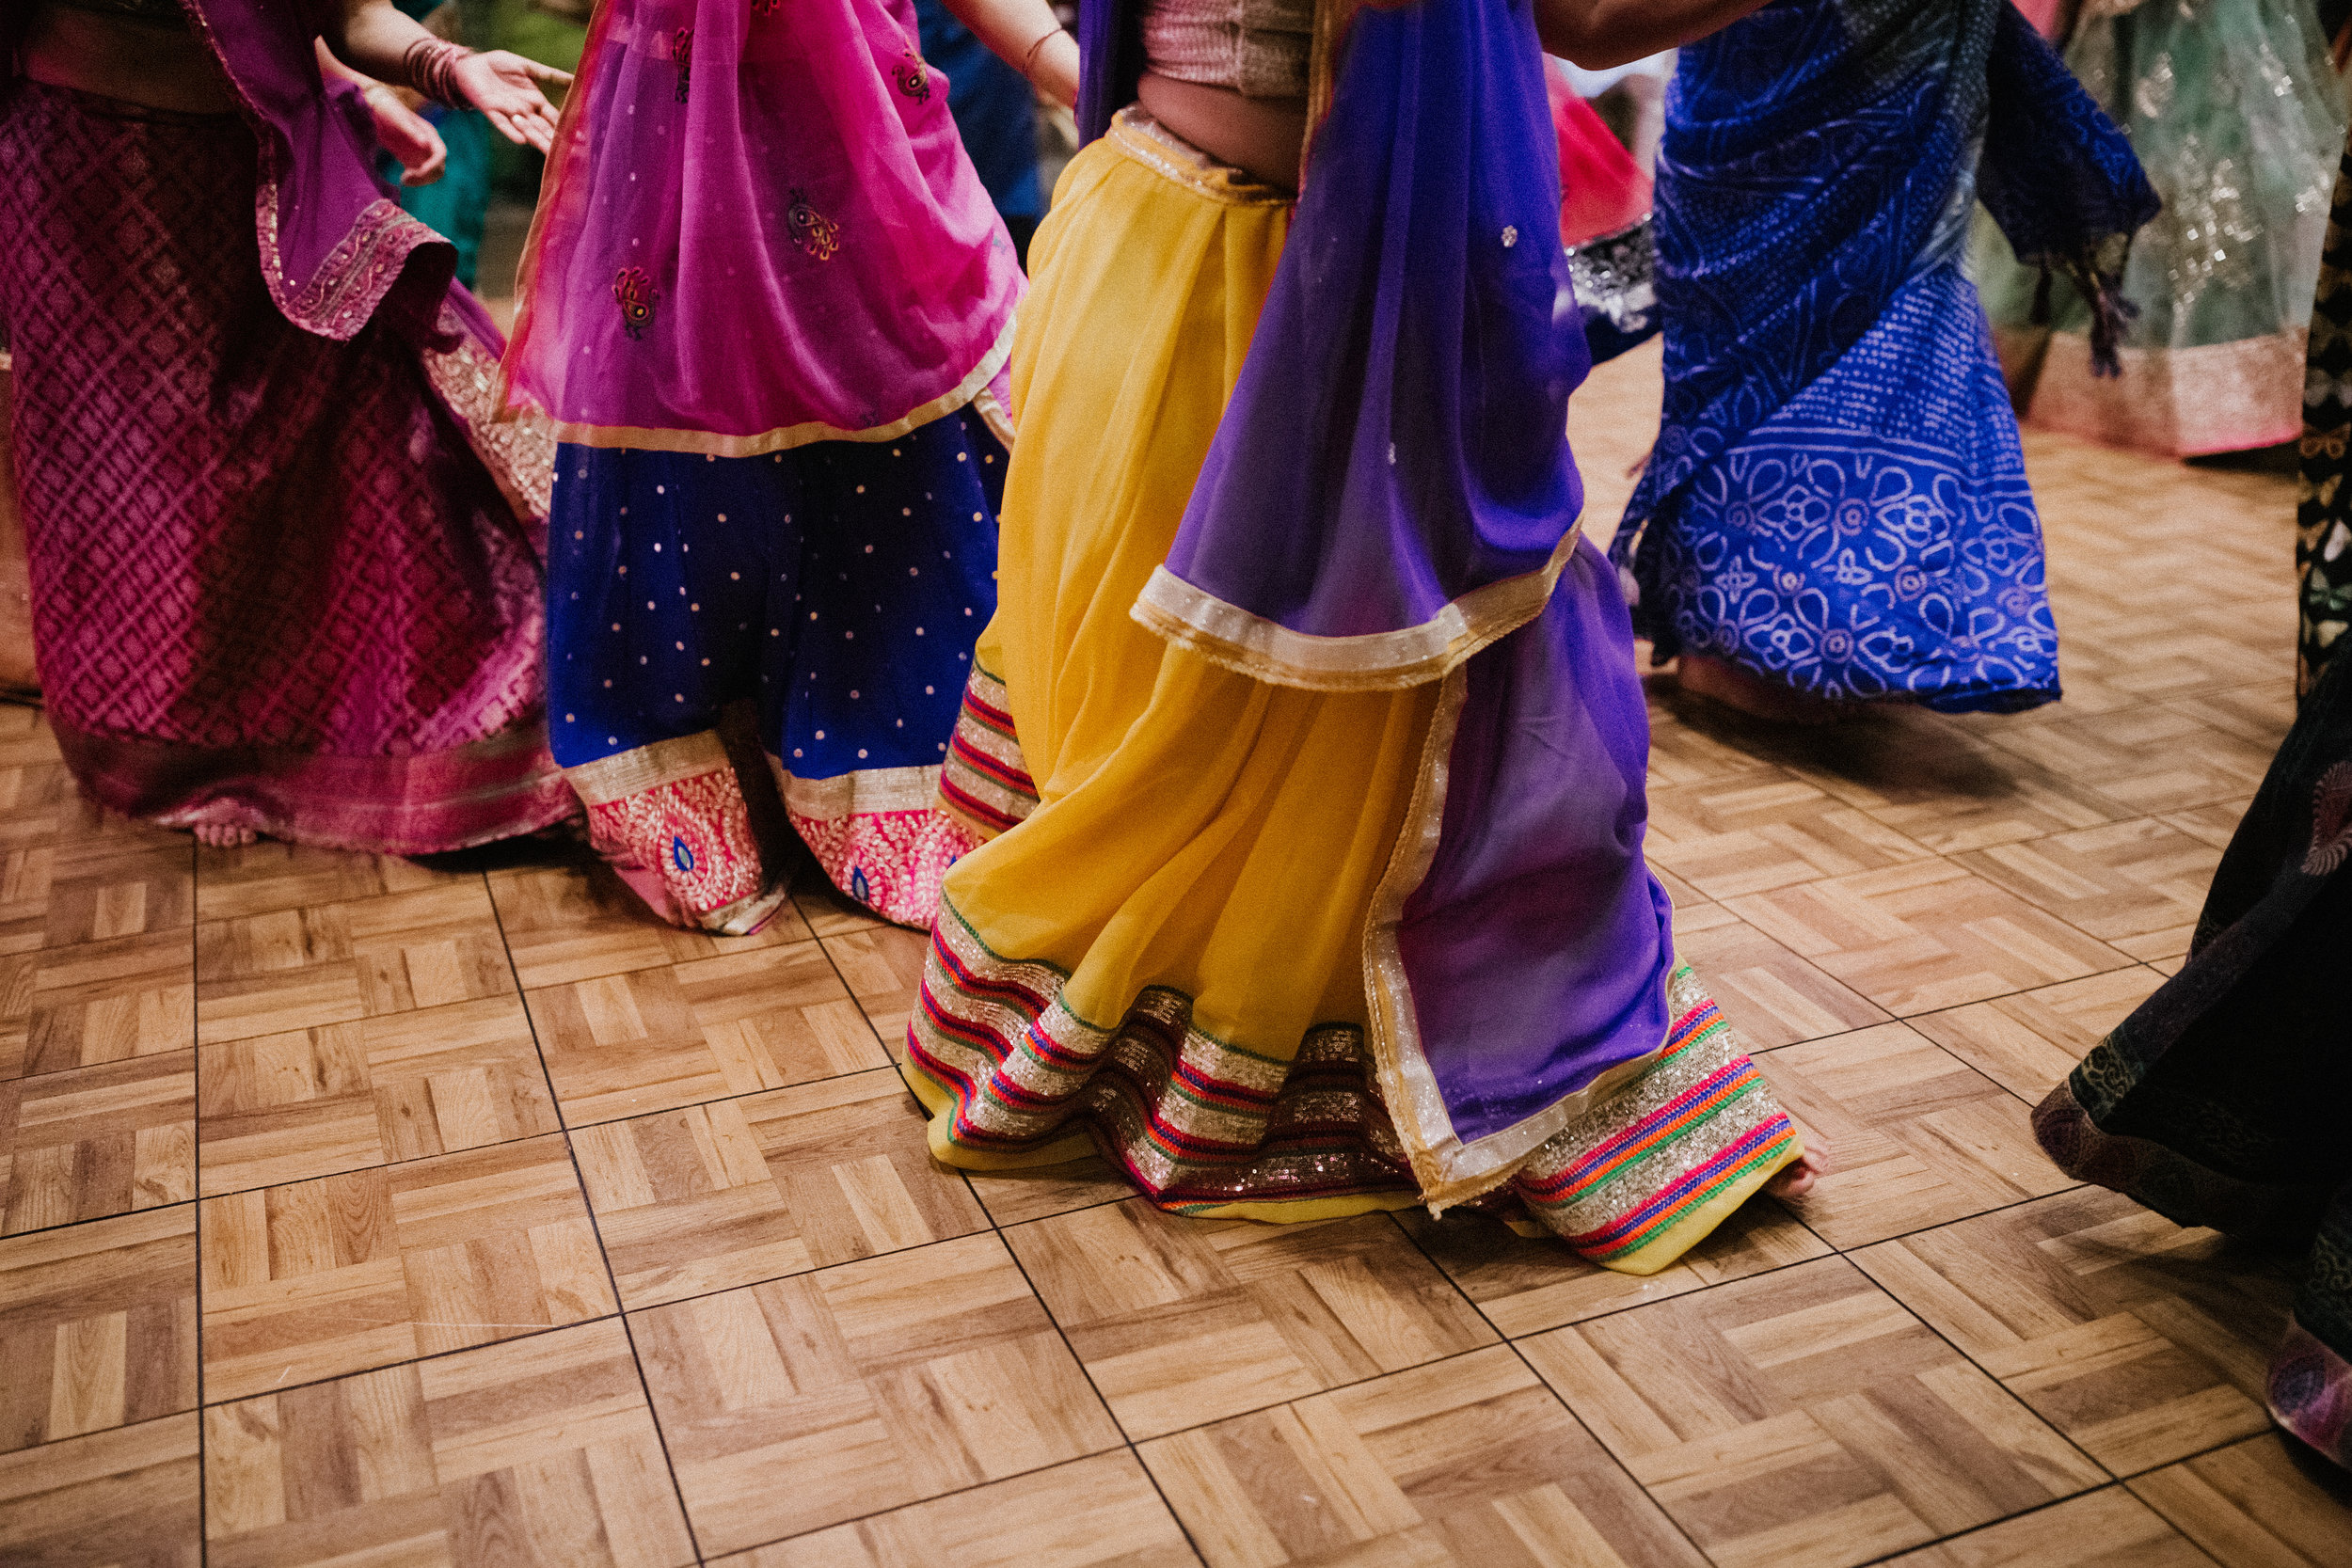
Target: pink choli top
1256,47
759,229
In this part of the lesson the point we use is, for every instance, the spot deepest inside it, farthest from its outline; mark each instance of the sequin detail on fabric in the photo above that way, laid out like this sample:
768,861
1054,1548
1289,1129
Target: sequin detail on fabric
1195,1122
1698,1124
986,780
695,836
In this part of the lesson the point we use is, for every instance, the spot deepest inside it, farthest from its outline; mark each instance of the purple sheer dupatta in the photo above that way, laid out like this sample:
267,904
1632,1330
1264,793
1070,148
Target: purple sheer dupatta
1389,501
758,230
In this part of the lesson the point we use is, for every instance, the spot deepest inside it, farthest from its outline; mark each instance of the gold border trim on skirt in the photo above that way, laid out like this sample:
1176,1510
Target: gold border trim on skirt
641,767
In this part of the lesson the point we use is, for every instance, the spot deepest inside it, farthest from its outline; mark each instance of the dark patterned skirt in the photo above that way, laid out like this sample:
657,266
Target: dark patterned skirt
280,581
2222,1101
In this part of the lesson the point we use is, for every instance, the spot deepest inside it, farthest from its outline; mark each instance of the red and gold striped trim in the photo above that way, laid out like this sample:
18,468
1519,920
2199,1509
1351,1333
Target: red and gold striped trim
1699,1125
986,780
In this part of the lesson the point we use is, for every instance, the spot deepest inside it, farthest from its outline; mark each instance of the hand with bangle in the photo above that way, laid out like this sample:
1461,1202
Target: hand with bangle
1025,35
494,80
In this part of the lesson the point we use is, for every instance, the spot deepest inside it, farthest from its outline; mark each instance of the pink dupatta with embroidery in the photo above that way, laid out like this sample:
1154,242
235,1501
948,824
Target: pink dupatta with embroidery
758,230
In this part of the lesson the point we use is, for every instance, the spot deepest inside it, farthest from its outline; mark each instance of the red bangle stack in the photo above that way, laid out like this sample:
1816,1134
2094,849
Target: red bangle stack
432,68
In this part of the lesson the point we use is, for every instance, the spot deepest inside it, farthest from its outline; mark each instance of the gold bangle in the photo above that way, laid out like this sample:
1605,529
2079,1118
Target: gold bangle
1028,61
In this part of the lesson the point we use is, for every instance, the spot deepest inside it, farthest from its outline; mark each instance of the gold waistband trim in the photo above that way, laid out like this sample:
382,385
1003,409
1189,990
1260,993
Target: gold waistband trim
1139,136
624,774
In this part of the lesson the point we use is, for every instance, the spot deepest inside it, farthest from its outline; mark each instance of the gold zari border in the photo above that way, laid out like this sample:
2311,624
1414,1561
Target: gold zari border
1233,639
624,774
712,444
865,792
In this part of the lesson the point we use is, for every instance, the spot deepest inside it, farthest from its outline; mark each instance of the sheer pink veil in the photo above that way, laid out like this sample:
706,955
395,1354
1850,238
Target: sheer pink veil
758,229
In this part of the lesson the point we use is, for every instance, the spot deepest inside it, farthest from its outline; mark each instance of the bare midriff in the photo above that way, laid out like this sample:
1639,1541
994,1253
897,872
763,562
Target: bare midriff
154,65
1264,136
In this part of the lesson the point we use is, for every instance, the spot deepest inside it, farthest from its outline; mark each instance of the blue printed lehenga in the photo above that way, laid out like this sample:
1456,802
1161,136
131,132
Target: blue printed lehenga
1837,502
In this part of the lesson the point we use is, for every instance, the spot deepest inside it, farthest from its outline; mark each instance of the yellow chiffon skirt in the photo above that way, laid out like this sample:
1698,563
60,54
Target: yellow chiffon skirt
1189,900
1166,959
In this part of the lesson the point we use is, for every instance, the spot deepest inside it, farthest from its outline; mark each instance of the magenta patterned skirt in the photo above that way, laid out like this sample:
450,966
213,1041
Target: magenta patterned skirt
279,581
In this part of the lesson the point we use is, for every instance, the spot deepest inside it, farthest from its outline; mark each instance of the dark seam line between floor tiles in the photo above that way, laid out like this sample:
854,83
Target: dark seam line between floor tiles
1125,1437
196,1196
1544,1383
898,1065
1841,1255
533,1332
94,1219
2044,1508
693,1541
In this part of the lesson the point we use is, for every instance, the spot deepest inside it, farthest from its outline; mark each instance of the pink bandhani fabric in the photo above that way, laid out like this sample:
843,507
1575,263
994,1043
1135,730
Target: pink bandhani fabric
758,230
280,580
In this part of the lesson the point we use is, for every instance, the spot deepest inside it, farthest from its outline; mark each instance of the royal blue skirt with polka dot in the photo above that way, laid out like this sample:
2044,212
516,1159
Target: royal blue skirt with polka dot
839,585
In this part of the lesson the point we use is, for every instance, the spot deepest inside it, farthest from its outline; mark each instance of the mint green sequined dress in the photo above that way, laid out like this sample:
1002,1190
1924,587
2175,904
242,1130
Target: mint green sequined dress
2239,117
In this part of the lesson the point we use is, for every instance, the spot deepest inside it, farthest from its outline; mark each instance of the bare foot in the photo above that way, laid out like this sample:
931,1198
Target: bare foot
224,835
1797,1180
1752,694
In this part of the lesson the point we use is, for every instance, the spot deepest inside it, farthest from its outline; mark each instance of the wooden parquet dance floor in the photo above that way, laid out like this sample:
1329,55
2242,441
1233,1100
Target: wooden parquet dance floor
371,1212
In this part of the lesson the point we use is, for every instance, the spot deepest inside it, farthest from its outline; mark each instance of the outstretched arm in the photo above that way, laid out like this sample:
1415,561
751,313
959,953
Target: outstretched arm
1025,34
376,40
1596,34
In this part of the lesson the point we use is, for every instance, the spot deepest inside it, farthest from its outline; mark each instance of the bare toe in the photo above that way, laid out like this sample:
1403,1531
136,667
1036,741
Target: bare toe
224,835
1797,1178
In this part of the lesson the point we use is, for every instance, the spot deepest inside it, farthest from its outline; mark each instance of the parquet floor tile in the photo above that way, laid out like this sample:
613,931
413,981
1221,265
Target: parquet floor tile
1776,997
1097,1513
1181,1322
1925,935
97,1001
1804,1419
740,1191
96,1141
268,877
280,1108
480,1218
350,1272
2210,824
1470,1461
1756,832
870,1386
97,1326
883,968
2257,1504
127,1497
2028,1041
1916,1137
298,968
119,884
538,1451
2137,885
649,1039
1014,1196
1955,796
1525,1285
2107,1529
2141,1341
575,921
2145,760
